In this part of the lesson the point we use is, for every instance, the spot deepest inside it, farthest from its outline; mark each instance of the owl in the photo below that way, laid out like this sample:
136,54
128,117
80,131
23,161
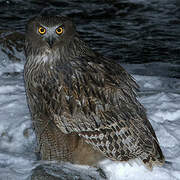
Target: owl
84,106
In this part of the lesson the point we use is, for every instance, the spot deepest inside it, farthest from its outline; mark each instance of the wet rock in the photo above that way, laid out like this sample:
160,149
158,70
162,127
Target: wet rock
67,172
11,45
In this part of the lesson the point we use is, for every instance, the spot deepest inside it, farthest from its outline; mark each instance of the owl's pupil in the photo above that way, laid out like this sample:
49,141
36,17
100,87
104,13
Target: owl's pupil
42,30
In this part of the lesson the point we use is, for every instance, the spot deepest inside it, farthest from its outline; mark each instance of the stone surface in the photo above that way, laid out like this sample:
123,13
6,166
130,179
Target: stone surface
11,45
67,172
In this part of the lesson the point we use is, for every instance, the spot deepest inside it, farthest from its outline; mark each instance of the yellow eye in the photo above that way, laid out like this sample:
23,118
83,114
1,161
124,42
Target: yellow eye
59,30
42,30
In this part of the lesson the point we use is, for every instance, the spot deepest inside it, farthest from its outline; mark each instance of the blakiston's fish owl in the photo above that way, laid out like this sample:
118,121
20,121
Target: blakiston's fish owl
83,105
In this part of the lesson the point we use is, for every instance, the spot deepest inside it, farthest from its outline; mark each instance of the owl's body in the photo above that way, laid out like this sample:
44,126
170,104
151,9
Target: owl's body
79,99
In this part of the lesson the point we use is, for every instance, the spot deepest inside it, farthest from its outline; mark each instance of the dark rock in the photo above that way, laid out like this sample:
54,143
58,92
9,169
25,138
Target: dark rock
66,172
11,45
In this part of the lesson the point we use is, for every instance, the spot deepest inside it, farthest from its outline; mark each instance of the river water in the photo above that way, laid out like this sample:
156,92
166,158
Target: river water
142,35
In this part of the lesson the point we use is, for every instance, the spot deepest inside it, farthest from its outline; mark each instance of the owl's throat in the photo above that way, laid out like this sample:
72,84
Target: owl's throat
58,53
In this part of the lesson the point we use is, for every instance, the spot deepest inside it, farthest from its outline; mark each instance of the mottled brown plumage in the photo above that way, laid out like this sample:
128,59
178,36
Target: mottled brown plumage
80,99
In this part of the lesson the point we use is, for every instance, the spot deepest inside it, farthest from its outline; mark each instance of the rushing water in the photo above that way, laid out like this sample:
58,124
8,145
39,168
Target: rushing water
130,31
142,35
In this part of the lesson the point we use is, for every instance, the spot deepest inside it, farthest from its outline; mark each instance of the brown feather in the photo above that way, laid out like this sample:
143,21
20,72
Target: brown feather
82,94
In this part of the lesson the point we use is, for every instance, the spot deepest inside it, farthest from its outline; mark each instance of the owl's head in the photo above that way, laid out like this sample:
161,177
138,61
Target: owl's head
49,31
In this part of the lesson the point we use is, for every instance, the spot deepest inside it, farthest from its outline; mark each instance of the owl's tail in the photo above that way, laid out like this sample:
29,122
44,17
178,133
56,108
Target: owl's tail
154,158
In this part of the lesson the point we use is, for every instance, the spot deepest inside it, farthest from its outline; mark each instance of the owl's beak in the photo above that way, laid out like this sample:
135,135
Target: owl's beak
50,40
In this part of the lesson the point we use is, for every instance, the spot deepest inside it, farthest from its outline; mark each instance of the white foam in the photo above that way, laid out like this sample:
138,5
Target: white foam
134,171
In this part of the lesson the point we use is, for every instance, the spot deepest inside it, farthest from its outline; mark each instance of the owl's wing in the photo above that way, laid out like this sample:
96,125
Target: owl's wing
100,105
